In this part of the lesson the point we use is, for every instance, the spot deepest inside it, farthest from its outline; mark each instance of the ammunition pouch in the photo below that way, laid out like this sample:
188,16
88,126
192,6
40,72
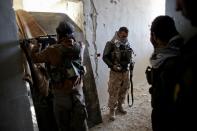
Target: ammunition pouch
69,71
121,55
70,66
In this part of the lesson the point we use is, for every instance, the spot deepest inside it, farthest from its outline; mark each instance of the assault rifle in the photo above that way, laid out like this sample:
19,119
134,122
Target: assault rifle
44,40
36,73
131,81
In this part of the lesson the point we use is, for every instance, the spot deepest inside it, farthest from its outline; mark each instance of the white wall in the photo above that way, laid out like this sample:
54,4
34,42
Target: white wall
107,16
101,19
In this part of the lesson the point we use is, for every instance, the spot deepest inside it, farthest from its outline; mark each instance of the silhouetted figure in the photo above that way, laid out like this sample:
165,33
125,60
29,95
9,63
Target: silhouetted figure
188,83
163,75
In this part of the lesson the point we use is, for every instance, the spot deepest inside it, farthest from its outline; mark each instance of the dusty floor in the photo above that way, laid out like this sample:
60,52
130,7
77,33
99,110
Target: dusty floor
137,119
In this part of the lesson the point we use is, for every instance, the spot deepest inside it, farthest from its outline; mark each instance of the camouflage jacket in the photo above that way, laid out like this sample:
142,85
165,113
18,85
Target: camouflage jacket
117,54
57,54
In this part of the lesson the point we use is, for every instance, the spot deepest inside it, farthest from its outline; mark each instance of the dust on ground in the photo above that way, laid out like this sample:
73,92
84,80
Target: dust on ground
138,117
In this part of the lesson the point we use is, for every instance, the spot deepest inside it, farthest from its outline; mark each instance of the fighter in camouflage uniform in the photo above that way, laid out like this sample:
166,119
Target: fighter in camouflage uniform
118,56
65,71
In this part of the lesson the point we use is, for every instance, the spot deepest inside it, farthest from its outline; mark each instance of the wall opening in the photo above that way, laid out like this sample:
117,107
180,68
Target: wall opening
74,9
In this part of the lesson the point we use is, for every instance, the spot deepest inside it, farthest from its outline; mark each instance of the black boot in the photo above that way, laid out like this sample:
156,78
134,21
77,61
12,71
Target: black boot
121,110
112,115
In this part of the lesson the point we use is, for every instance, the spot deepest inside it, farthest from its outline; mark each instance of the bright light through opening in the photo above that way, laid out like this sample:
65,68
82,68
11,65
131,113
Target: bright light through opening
72,9
44,6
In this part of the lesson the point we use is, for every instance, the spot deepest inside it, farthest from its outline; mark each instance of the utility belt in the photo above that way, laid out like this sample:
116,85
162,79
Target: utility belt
121,71
72,79
66,84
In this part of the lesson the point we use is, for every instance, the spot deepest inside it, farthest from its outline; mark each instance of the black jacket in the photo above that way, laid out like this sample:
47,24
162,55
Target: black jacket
164,83
187,104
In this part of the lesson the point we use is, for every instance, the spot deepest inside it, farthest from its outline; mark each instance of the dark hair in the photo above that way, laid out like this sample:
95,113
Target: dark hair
123,29
164,28
64,29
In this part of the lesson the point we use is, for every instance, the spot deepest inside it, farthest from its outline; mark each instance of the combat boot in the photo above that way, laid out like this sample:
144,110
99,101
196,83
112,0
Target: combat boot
121,110
112,115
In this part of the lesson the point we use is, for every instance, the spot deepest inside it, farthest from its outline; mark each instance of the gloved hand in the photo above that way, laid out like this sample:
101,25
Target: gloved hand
34,45
34,41
117,67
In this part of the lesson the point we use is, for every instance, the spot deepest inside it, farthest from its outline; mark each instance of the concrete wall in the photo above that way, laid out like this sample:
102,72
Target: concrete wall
15,112
103,18
182,24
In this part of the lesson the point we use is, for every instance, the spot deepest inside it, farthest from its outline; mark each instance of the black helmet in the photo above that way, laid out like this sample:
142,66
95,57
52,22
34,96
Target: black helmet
64,29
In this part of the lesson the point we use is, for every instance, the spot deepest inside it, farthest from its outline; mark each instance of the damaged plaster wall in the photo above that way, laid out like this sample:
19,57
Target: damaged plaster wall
103,18
99,19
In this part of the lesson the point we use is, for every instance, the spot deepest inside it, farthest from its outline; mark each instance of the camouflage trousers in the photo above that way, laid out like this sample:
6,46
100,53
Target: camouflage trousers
70,113
118,86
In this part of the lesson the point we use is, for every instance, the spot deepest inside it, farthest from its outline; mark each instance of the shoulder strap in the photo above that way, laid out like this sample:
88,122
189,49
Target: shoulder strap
132,97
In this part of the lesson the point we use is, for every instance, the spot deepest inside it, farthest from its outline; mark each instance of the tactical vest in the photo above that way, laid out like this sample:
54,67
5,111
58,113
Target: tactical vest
71,65
121,54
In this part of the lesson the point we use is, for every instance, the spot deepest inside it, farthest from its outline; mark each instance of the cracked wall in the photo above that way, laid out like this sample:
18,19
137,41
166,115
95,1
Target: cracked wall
103,18
99,19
